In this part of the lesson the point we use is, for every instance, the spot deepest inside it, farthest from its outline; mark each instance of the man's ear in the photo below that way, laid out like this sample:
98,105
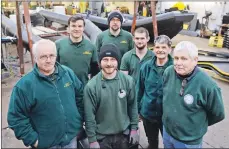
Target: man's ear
196,59
148,39
170,50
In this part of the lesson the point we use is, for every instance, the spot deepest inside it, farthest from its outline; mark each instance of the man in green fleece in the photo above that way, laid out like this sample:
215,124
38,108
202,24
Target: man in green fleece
115,34
192,101
76,52
46,105
149,89
134,59
110,104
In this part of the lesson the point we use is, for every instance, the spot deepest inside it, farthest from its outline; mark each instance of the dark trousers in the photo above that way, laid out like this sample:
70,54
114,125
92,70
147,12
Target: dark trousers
119,141
152,128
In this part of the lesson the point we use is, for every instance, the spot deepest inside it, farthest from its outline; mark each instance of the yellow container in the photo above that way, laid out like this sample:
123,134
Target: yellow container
185,26
216,41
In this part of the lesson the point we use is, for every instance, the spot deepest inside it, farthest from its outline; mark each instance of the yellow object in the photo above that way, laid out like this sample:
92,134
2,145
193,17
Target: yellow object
185,26
214,75
74,11
214,67
144,13
216,41
179,5
82,7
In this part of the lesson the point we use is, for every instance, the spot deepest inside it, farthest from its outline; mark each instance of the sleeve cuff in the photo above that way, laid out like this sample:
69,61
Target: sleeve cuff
92,139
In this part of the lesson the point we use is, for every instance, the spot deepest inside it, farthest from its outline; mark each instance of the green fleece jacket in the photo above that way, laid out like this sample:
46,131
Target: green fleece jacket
149,88
107,110
186,117
45,110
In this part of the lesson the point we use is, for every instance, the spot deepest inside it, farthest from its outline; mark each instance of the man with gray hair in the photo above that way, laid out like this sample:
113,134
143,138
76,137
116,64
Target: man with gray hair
46,105
192,101
149,89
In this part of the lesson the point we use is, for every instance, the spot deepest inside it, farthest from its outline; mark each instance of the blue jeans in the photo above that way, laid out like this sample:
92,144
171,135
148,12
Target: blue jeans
72,144
170,142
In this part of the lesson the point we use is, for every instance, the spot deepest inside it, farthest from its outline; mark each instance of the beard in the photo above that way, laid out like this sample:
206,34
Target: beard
140,47
115,29
109,69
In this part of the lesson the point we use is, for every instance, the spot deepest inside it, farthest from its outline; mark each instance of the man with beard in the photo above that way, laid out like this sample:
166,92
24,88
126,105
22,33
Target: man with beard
192,100
46,105
76,52
134,59
115,34
149,89
110,103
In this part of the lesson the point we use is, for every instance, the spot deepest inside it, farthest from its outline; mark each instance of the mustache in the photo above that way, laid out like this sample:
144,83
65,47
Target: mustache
109,66
160,52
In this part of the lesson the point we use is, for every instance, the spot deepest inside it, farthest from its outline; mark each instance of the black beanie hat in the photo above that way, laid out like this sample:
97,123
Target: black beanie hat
109,50
116,14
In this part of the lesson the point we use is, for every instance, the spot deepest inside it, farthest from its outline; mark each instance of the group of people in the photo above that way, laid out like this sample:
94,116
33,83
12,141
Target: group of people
109,87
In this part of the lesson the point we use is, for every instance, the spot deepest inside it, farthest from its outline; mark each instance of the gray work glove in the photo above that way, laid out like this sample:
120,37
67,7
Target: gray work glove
134,137
94,145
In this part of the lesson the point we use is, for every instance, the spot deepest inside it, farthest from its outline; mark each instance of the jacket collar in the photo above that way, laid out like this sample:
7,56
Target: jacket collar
59,71
168,63
188,78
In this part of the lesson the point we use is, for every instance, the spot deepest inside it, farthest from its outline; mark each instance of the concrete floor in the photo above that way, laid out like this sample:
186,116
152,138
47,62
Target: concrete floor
216,137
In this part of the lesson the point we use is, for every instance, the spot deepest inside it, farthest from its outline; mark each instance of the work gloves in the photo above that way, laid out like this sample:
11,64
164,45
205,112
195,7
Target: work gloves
134,137
94,145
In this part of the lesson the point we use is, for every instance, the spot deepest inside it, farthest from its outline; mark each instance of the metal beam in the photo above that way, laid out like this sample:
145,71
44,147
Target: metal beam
135,17
28,29
20,43
154,18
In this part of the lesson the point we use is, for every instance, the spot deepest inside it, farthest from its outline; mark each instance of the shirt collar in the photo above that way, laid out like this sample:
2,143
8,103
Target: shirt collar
104,79
72,43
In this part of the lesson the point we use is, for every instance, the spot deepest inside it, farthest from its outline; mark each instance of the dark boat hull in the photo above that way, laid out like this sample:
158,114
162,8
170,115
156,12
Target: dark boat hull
169,24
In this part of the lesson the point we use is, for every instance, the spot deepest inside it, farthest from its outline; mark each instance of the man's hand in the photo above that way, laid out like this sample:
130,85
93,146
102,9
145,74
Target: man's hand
134,137
94,145
36,144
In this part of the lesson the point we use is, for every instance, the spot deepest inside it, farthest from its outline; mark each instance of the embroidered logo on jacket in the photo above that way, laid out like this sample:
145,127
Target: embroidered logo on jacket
121,93
87,53
124,41
188,99
67,84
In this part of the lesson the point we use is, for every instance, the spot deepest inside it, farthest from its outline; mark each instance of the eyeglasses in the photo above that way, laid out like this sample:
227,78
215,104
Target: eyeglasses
45,57
183,84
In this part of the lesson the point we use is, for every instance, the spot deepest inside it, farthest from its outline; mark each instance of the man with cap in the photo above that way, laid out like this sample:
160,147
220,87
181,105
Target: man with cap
110,103
115,34
149,89
76,52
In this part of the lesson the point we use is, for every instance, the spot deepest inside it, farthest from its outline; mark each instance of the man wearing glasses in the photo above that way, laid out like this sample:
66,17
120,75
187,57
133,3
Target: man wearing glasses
46,105
149,89
192,101
76,52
